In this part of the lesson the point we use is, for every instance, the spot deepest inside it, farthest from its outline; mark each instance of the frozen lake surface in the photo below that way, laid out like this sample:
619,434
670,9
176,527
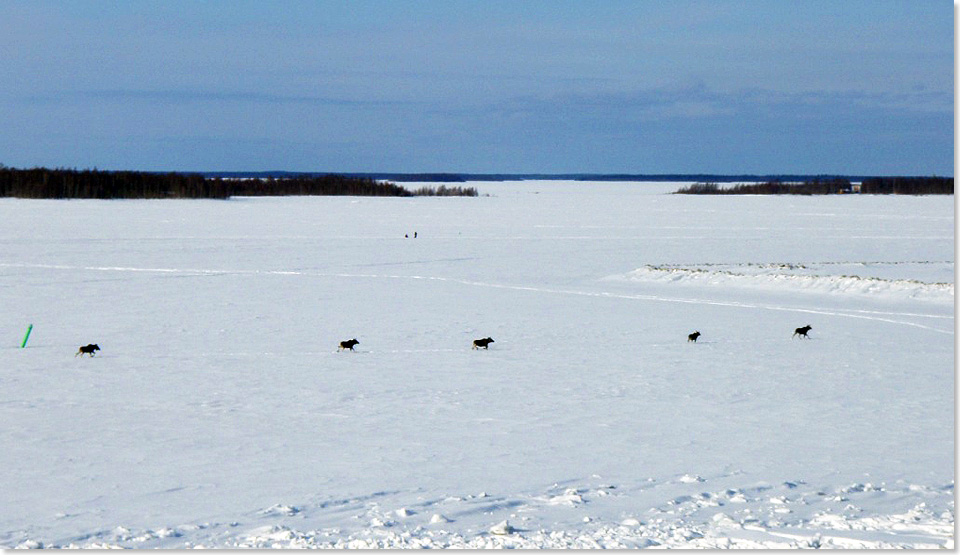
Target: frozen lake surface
219,413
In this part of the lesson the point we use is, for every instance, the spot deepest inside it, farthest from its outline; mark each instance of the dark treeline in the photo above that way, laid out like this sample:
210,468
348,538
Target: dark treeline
908,186
832,186
62,183
319,185
95,184
462,177
396,177
444,191
814,187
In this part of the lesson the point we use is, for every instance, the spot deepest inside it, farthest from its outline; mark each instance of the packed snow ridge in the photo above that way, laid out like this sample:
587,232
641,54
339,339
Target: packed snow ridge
797,277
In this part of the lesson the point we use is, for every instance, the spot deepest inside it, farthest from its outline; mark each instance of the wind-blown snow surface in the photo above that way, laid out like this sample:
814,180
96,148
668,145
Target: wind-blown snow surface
219,413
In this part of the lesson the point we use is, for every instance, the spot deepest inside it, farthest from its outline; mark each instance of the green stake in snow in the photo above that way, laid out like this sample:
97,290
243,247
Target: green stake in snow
25,337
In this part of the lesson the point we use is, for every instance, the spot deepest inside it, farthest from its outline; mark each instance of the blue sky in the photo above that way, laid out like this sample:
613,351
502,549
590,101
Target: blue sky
558,86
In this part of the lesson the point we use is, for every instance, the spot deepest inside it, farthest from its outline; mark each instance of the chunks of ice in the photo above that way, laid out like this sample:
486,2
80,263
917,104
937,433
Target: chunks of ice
503,528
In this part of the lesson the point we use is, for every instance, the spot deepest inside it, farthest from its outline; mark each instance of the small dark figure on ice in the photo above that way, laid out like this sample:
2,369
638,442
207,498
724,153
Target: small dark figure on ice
87,350
485,343
344,345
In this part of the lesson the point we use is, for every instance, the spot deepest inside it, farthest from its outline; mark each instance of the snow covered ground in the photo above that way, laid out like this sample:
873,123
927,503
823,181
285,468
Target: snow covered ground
220,414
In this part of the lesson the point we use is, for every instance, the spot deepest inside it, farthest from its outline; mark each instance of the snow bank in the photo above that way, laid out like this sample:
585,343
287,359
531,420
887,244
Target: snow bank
788,277
785,516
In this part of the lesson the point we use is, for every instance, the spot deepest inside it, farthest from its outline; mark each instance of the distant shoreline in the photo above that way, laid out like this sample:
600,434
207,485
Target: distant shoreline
453,177
868,186
61,183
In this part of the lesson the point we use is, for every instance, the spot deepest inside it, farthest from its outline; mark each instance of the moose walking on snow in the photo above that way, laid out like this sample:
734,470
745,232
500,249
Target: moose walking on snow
87,350
485,343
344,345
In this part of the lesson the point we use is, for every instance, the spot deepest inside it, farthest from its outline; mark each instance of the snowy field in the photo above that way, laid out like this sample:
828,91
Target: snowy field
219,413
